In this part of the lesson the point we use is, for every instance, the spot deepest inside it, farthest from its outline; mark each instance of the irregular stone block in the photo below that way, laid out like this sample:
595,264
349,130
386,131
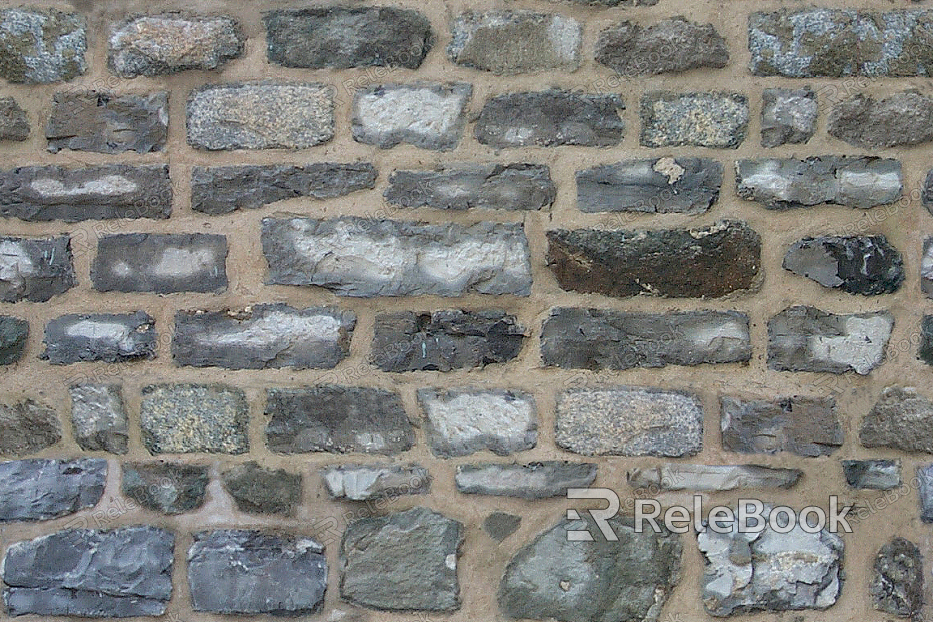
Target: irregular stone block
905,118
99,418
35,269
925,492
33,490
165,487
536,480
14,125
803,426
788,116
262,491
901,419
188,418
501,525
621,3
714,119
108,337
925,351
359,482
712,477
864,264
426,115
926,268
668,46
107,123
897,581
27,427
13,335
872,474
38,47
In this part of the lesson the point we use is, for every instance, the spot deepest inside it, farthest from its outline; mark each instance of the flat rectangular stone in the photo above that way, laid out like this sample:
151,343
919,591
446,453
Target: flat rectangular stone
712,477
426,115
107,337
714,119
872,474
35,269
803,426
107,123
34,490
671,45
193,418
360,482
535,480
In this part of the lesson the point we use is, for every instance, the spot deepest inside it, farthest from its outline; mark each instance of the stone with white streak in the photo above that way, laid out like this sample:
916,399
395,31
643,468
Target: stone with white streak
926,268
99,417
35,269
712,477
362,482
107,337
426,115
536,480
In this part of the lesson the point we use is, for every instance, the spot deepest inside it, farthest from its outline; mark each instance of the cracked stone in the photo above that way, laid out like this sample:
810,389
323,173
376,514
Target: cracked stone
535,480
897,580
804,426
34,490
165,487
865,264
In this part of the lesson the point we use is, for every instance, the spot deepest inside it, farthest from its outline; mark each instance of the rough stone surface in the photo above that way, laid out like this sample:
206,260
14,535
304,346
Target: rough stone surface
224,189
359,482
369,257
714,119
668,46
925,492
35,269
160,262
260,115
627,580
925,352
804,338
259,490
629,421
865,264
13,335
550,119
901,419
465,186
107,123
501,525
905,118
678,263
403,561
108,337
872,474
32,490
788,116
336,419
263,337
343,37
660,185
27,427
604,339
38,47
712,477
804,426
14,125
445,340
926,268
426,115
535,480
165,487
236,571
897,580
186,418
99,418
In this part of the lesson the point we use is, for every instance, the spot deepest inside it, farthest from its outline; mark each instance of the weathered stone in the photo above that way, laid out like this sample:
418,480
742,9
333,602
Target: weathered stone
571,580
803,426
154,45
237,571
905,118
901,419
403,561
550,119
99,418
364,258
259,490
13,122
426,115
804,338
926,268
629,421
337,419
488,186
678,263
788,116
38,47
107,337
535,480
40,193
263,337
925,492
32,490
187,418
160,262
359,482
107,123
621,3
668,46
511,42
603,339
13,335
445,340
714,119
122,573
660,185
260,115
897,581
165,487
712,477
224,189
872,474
864,264
27,427
501,525
35,269
925,351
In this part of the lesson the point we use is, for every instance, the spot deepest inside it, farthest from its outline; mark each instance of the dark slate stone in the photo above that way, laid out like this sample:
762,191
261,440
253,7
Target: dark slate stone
336,419
259,490
668,46
901,419
122,573
678,263
803,426
99,418
926,268
107,123
501,525
108,337
788,116
904,118
872,474
445,340
713,119
897,580
926,193
13,335
535,480
14,125
32,490
925,352
164,486
38,47
925,492
35,269
236,571
465,186
194,418
864,264
27,427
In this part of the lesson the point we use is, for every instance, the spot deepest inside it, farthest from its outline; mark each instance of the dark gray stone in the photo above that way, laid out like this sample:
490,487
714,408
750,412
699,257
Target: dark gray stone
713,119
428,115
550,119
35,269
224,189
165,487
897,581
901,419
188,418
926,268
99,418
107,123
108,337
535,480
501,525
863,264
237,571
33,490
13,335
38,47
619,3
803,426
27,427
905,118
668,46
925,492
122,573
465,186
925,351
330,418
160,262
14,125
403,561
872,474
711,477
259,490
926,195
361,482
788,116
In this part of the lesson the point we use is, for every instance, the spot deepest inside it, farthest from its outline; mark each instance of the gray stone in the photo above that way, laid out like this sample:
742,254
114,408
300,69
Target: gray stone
33,490
14,125
155,45
35,269
40,193
445,340
360,482
160,262
263,337
872,474
897,581
27,427
108,337
926,268
668,46
99,418
465,186
863,264
627,580
901,419
905,118
807,339
165,487
788,116
629,421
237,571
107,123
535,480
342,37
925,351
713,119
712,477
122,573
926,192
804,426
512,42
373,257
38,47
224,189
620,3
925,492
708,262
423,114
403,561
501,525
187,418
659,185
260,115
259,490
597,339
334,419
13,335
550,119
